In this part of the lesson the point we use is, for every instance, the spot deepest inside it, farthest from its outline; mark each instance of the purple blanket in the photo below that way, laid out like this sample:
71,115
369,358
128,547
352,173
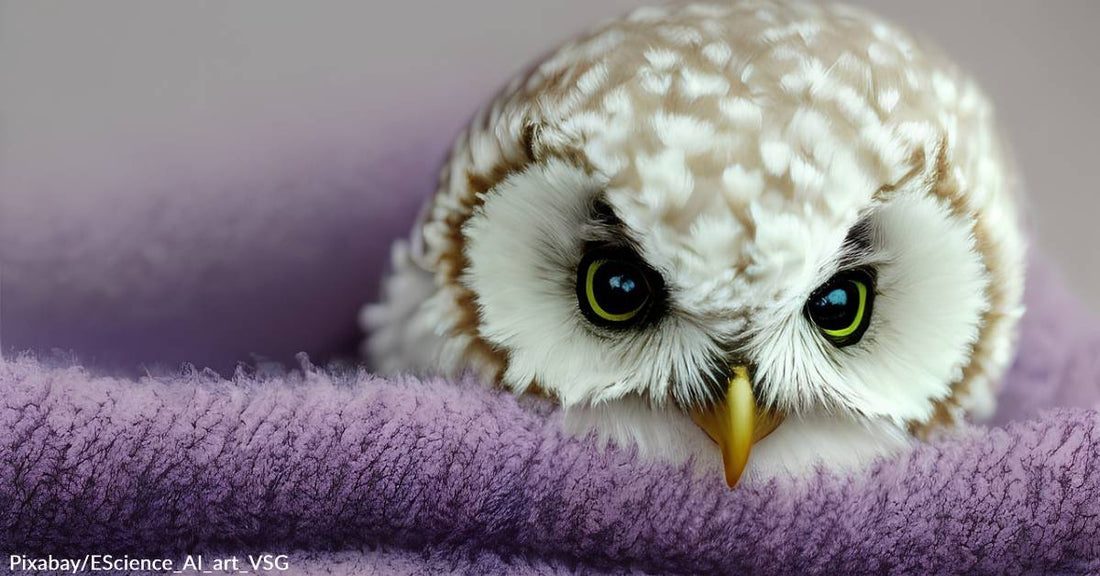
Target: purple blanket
350,473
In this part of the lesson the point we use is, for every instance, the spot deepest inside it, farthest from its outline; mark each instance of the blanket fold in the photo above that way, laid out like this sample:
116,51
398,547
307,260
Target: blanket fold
350,469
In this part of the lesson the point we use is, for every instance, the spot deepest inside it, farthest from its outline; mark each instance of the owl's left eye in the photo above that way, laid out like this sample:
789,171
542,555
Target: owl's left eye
615,290
841,308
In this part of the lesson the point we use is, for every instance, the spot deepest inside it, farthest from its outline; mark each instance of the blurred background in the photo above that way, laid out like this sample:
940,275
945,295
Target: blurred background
219,182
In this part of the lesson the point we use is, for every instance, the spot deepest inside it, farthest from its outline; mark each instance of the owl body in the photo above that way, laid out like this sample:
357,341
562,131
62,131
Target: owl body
800,190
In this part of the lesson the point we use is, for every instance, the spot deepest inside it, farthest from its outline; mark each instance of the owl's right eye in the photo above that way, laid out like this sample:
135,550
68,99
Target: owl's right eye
615,290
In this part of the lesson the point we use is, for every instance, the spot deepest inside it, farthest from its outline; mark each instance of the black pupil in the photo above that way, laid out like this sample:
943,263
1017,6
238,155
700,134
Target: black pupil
835,306
619,287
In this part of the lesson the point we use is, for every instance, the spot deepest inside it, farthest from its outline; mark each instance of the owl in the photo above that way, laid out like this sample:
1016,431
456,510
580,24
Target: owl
760,236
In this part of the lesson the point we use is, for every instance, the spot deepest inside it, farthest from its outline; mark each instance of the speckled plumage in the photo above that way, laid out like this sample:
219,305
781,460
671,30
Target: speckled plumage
739,143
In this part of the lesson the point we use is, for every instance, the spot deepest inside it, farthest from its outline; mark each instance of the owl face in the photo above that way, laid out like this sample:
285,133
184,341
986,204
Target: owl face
745,212
876,314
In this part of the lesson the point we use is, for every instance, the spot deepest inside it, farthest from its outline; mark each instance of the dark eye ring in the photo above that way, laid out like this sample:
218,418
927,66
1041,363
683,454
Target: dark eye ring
615,289
841,308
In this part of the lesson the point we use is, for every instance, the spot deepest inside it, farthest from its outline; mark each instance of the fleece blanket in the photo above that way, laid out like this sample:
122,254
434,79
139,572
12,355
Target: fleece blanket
341,472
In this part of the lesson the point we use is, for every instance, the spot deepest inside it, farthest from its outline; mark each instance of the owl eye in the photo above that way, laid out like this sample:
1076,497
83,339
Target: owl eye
841,308
614,290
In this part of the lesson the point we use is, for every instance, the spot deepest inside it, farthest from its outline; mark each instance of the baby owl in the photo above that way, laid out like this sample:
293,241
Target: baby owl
760,235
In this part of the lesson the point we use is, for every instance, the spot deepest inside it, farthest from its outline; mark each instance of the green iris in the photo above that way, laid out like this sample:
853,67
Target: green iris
613,291
841,308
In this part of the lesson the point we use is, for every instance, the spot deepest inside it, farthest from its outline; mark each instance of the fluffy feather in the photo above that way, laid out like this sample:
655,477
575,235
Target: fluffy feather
738,148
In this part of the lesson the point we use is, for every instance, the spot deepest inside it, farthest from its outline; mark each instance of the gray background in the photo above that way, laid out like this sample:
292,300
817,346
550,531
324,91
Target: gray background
104,101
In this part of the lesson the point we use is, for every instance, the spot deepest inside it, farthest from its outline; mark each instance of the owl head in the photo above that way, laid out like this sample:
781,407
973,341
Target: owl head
745,212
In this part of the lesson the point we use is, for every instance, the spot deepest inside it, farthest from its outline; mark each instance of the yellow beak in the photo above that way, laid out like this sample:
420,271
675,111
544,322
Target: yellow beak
735,423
